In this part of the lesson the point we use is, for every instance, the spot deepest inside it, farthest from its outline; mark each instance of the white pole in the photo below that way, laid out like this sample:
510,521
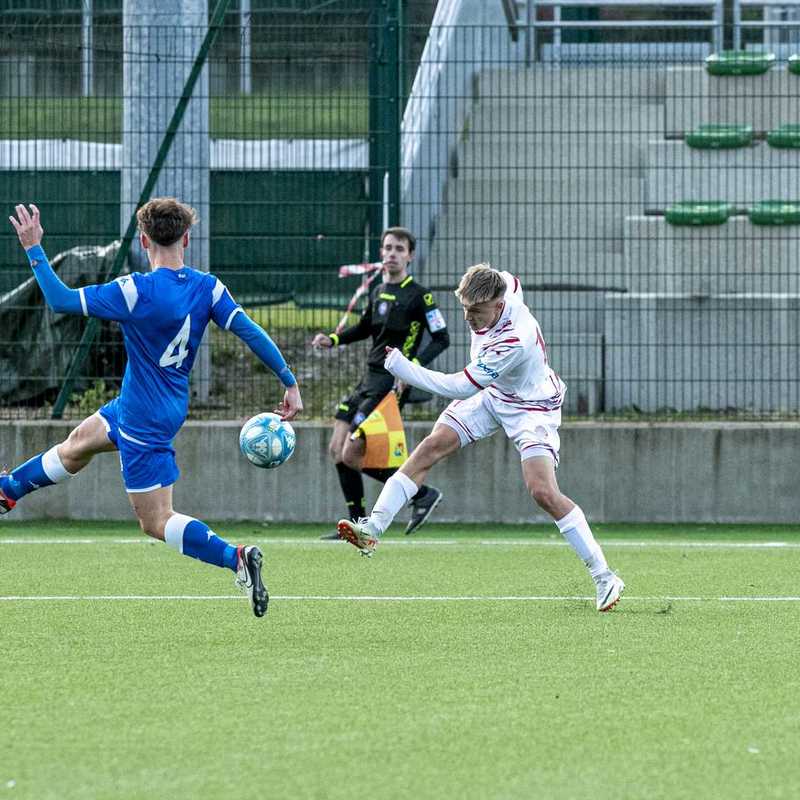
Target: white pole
87,49
152,87
245,33
385,200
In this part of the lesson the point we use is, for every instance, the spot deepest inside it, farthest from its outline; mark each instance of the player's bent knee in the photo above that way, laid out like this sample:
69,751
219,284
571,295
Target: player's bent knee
545,495
153,526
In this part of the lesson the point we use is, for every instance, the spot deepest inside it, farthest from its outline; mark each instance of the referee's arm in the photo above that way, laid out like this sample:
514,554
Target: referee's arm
355,333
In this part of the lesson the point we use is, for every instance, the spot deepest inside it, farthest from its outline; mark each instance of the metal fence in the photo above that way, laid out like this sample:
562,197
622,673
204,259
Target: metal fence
578,147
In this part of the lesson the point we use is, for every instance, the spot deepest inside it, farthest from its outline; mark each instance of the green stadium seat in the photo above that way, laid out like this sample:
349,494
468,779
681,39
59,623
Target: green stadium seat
713,212
775,212
739,62
784,136
793,65
719,136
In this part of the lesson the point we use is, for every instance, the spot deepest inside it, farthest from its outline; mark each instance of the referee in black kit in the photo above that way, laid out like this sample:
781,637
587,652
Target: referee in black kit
399,311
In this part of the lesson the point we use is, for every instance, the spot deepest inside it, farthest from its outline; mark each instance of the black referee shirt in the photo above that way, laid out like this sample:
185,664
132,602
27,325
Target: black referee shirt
396,316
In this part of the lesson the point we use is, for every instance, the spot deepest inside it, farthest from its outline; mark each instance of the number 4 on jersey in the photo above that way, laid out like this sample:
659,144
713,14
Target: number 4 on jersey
177,349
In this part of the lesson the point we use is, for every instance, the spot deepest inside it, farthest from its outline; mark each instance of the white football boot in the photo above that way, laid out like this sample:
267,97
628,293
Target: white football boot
609,589
359,534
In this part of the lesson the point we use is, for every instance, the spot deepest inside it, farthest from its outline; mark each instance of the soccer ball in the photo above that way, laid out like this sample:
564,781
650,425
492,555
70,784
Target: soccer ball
266,441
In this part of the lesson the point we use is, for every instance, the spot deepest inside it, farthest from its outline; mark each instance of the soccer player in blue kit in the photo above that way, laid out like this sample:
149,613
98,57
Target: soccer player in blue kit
163,315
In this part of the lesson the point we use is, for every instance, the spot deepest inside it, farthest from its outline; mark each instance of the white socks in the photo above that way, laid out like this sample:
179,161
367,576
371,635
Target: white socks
396,492
173,530
53,467
577,532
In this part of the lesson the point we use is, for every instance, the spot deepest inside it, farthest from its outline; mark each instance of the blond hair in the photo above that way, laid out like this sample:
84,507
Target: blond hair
165,219
480,284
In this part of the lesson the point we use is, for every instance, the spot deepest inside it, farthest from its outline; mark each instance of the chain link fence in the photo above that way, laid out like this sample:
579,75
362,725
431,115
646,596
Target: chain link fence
644,192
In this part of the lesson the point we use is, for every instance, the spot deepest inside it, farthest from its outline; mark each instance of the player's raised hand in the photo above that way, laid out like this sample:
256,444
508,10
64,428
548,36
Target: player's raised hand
321,340
291,405
394,357
27,225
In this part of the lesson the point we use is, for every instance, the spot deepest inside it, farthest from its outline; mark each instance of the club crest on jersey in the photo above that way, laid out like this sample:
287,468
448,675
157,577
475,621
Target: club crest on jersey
383,307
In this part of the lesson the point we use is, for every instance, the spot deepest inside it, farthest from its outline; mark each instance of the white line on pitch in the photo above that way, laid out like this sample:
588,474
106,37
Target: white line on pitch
466,543
405,598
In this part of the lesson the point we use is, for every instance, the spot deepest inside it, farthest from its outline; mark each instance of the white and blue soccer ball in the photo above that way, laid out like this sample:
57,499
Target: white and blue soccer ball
266,440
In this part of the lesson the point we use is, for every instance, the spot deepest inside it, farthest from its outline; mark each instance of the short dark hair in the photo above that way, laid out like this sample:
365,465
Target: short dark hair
165,220
401,233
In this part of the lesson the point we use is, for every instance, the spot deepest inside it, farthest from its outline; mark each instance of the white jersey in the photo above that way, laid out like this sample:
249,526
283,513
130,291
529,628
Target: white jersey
509,360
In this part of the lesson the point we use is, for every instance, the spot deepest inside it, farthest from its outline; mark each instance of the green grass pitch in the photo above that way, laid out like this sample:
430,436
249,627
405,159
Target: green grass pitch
462,663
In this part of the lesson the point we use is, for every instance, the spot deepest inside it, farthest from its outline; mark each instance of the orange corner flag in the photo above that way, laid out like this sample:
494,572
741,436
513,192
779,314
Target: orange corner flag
386,439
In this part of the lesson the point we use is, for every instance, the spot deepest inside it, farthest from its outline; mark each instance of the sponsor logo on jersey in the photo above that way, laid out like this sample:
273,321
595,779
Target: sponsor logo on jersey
435,320
411,339
428,298
486,369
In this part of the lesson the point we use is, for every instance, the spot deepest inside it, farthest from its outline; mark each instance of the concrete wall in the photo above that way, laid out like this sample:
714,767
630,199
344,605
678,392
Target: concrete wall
617,472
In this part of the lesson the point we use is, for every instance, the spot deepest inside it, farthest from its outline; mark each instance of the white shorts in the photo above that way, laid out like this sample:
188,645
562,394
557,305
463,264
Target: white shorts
534,433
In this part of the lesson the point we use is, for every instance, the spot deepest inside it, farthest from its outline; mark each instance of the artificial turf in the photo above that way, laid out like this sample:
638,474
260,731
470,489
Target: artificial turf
464,662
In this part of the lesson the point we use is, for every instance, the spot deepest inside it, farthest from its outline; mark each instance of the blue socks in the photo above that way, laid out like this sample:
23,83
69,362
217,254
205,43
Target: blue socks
42,470
195,539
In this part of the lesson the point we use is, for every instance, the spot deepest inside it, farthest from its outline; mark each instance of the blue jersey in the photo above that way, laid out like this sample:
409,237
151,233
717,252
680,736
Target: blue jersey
163,315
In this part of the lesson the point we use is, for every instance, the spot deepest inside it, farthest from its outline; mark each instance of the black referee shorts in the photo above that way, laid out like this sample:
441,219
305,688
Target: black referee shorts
361,403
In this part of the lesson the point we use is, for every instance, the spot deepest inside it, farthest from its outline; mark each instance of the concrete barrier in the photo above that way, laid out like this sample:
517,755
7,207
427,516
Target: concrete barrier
701,472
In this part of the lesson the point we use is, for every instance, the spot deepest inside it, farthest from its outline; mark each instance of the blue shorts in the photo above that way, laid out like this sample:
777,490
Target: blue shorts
144,466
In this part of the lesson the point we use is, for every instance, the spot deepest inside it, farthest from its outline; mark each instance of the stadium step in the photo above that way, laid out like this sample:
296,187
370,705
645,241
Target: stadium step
762,101
737,257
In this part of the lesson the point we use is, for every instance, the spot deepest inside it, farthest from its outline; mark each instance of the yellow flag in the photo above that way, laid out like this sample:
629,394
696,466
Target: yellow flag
386,439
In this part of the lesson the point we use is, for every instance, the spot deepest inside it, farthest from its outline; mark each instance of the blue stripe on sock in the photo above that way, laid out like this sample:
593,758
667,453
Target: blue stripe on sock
26,478
202,543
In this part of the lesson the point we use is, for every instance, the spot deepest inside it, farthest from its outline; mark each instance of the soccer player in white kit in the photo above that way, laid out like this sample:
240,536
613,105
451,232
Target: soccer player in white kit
508,384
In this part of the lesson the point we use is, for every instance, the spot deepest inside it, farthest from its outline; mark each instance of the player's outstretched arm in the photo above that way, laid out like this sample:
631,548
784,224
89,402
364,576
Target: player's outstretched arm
258,340
456,385
355,333
29,230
